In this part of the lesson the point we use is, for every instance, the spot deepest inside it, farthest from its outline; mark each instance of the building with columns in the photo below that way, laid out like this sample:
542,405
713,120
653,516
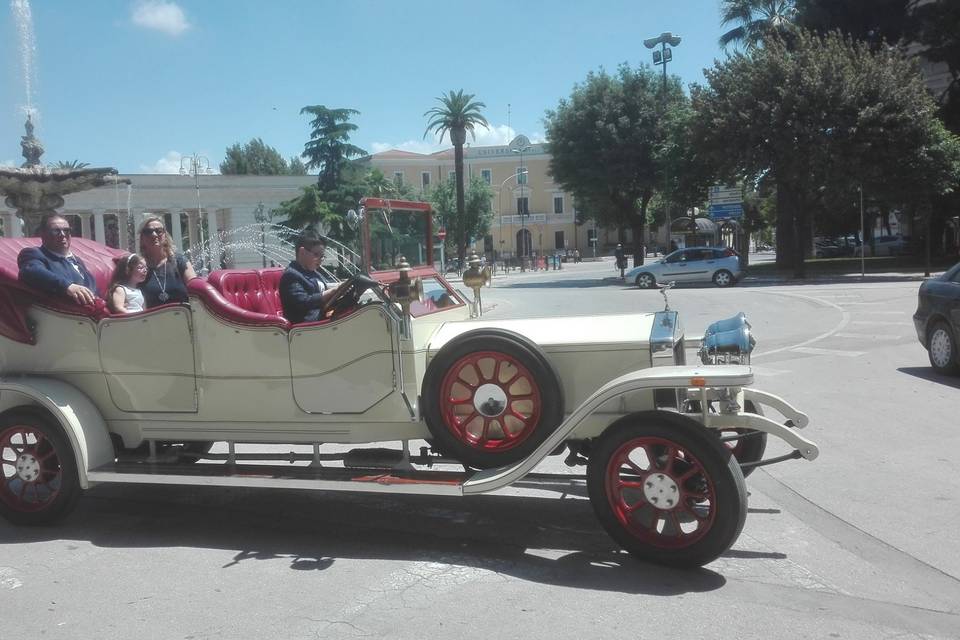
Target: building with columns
225,214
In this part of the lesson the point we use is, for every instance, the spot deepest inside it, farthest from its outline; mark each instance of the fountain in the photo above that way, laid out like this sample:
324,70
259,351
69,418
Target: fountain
35,190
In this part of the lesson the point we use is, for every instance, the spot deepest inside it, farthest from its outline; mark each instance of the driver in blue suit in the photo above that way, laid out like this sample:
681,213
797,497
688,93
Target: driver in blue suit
303,291
52,268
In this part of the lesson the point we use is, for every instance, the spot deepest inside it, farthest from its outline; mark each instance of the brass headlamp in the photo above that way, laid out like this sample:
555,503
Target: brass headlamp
476,278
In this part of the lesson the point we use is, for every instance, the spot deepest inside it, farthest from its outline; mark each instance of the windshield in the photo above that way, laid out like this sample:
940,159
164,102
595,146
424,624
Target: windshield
395,234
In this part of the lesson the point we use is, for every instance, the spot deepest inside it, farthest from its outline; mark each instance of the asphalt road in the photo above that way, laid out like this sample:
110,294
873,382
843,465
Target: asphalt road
860,543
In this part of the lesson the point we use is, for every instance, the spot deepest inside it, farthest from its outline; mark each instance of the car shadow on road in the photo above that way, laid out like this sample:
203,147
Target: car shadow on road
548,540
579,283
928,373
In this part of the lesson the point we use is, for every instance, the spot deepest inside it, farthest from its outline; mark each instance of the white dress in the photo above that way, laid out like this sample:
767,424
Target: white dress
134,299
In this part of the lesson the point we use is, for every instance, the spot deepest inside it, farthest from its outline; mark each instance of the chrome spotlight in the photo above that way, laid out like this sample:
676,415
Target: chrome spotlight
728,341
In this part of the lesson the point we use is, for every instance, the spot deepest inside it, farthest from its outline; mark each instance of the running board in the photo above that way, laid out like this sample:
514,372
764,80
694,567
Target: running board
370,480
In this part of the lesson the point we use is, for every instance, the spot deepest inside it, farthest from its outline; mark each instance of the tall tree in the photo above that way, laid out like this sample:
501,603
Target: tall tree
938,31
822,117
253,158
478,210
457,114
329,148
610,142
296,167
755,20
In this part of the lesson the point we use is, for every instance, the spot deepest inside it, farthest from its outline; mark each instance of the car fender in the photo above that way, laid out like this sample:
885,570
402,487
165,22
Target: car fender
677,377
80,419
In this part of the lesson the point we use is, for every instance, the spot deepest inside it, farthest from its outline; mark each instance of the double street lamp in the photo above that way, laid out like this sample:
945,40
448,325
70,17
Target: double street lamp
662,57
195,165
519,145
517,175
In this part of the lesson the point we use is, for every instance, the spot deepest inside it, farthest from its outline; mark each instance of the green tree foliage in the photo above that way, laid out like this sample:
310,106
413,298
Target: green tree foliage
329,149
938,30
756,20
295,166
611,141
821,118
254,158
457,114
478,210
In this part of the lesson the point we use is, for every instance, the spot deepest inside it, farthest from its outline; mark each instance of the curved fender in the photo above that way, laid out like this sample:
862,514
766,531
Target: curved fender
652,378
788,411
77,415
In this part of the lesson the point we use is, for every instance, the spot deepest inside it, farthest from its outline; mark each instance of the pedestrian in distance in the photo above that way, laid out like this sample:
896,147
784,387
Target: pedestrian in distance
621,260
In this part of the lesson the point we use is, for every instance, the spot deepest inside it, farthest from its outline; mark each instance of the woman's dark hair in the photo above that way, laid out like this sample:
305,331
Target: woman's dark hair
121,273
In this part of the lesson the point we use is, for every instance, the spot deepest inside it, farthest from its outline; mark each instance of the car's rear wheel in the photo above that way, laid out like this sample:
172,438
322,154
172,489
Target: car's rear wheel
490,398
666,489
38,471
645,281
942,348
723,278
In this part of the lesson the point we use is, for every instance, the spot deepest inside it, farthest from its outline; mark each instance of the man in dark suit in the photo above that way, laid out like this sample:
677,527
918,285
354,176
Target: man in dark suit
303,291
52,268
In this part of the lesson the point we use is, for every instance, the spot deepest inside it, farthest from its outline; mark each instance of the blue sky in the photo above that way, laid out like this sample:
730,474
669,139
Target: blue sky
135,84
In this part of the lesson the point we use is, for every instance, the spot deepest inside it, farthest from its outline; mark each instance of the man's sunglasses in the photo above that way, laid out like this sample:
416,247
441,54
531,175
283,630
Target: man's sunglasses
154,231
66,233
317,254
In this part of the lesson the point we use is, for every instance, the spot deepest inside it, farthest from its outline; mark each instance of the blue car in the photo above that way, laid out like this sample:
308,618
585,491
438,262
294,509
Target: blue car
938,320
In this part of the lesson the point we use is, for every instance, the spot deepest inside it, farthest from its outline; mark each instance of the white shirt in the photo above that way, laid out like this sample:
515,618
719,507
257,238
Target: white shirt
134,299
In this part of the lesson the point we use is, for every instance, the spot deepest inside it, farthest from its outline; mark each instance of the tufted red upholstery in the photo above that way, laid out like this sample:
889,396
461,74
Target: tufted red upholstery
250,289
228,310
271,287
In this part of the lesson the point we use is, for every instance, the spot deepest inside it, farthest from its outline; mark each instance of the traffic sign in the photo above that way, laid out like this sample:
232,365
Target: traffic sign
724,211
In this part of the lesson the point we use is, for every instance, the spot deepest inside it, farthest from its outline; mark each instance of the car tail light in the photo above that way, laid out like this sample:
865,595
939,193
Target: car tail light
729,252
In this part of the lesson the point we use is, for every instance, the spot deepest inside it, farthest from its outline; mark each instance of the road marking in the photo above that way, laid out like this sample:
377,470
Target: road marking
886,313
866,336
852,303
844,320
827,352
884,322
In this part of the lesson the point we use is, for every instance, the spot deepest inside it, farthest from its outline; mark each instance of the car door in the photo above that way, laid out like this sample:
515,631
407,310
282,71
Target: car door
346,365
675,267
699,264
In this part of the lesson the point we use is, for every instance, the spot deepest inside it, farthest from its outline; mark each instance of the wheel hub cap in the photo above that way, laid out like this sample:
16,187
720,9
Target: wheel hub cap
940,348
490,400
661,491
28,467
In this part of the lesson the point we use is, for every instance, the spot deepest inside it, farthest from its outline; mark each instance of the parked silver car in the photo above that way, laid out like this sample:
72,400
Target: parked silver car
719,265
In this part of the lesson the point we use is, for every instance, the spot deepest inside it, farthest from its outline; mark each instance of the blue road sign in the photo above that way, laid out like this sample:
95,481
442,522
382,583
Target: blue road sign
725,211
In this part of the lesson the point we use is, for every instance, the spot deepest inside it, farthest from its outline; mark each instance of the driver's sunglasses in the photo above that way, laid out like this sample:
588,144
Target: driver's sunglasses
154,231
318,254
66,233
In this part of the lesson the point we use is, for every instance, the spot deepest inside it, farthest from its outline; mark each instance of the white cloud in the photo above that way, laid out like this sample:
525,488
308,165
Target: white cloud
159,15
170,163
486,137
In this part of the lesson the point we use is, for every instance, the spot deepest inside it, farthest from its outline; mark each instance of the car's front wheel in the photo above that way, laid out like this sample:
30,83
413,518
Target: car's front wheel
667,490
645,281
723,278
942,348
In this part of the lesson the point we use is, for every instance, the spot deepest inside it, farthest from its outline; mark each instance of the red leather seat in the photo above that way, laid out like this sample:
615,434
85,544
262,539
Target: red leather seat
270,280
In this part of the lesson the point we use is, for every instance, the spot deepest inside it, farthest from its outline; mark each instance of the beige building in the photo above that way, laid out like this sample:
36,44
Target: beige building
521,184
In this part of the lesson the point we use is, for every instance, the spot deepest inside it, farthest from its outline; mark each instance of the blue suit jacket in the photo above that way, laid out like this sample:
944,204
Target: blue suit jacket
51,273
300,294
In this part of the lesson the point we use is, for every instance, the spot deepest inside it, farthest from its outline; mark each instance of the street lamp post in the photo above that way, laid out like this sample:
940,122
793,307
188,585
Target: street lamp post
263,217
662,57
863,236
519,145
500,205
195,165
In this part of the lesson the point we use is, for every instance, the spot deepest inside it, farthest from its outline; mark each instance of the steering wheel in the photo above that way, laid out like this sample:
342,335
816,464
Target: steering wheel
348,295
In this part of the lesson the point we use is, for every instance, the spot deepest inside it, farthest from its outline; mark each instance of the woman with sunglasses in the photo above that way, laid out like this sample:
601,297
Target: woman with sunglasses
168,271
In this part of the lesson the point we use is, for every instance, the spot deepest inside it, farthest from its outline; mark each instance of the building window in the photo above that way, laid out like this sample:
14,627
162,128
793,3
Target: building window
558,240
558,204
425,179
398,178
486,175
522,175
523,206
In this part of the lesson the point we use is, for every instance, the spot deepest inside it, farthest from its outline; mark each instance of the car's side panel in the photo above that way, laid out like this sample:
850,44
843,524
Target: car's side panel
148,360
345,366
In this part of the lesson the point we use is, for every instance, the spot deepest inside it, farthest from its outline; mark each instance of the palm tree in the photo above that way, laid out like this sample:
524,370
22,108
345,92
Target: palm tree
457,115
757,19
70,165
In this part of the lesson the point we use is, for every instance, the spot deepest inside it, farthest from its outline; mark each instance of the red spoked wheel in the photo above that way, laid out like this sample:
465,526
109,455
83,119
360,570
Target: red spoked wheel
666,489
491,402
490,398
38,475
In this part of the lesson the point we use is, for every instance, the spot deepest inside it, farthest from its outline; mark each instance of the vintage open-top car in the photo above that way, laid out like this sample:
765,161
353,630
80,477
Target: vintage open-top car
89,397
